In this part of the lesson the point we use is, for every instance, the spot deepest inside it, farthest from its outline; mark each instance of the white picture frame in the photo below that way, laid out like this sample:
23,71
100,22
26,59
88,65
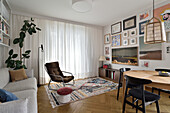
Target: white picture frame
133,32
125,42
125,34
133,41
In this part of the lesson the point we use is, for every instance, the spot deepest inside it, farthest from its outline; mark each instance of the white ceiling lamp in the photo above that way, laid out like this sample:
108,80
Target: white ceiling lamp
82,5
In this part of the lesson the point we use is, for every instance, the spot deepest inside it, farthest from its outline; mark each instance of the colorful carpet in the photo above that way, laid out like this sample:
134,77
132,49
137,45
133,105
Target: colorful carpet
82,89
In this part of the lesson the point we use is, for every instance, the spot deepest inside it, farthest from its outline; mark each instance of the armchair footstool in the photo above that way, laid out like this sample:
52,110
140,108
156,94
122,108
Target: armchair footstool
64,94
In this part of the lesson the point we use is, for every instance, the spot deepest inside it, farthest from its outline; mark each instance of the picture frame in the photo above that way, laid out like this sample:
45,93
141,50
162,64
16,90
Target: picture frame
107,38
107,50
129,23
126,34
168,36
116,40
133,32
116,28
125,42
144,15
142,26
133,41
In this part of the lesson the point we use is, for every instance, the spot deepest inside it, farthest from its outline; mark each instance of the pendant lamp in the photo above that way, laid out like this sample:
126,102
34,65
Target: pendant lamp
154,31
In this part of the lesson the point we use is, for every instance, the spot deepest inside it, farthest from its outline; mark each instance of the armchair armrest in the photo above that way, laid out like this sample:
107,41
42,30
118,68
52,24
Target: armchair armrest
67,72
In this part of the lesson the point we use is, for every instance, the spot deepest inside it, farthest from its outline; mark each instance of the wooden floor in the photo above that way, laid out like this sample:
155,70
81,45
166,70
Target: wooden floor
104,103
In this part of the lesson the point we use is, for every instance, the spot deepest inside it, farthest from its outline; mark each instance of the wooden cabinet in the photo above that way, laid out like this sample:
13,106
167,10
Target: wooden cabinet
111,74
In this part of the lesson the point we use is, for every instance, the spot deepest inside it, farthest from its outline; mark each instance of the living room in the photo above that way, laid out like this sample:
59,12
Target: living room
84,56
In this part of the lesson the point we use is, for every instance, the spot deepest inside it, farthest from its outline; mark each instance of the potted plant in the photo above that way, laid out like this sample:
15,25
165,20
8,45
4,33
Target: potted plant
12,61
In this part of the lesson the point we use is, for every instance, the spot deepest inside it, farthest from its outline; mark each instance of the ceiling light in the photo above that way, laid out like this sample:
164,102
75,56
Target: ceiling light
82,5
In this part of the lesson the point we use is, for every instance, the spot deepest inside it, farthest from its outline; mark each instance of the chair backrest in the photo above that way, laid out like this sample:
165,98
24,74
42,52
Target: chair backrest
53,69
124,69
137,81
166,70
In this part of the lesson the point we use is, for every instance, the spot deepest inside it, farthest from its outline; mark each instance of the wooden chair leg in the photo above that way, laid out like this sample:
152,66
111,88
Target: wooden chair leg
132,101
118,92
157,107
152,90
136,106
159,91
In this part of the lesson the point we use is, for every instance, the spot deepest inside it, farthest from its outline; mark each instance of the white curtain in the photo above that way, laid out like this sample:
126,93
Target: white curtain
76,47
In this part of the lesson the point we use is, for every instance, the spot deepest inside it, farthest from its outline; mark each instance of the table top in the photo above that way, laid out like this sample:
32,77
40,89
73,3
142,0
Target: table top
150,75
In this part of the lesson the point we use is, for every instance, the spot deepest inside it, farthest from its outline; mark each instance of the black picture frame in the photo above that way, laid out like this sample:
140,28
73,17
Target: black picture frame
114,25
128,20
141,30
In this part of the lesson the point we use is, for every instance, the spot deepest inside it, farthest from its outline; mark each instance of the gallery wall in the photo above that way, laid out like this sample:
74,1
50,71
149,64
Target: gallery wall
164,63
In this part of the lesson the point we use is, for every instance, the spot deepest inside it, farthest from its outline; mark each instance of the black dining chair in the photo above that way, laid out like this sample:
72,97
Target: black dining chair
140,94
161,90
120,79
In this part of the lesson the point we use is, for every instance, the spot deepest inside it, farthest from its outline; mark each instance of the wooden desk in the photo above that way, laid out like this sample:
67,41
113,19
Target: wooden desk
157,81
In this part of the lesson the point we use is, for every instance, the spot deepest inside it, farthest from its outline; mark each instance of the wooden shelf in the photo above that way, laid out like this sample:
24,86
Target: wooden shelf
1,44
3,20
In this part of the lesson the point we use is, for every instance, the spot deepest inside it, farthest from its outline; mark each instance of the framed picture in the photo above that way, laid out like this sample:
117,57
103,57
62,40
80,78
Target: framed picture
133,41
107,50
145,15
107,38
125,42
133,32
126,34
116,40
141,27
129,23
116,28
168,37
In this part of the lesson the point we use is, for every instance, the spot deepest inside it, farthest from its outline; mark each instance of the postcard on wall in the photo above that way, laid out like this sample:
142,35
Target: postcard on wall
145,15
107,50
107,38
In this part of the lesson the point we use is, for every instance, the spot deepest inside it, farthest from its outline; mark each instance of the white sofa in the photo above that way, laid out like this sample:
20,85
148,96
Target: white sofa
22,89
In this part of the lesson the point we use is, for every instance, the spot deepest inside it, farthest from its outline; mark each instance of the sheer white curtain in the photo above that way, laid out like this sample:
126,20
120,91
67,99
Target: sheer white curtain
76,47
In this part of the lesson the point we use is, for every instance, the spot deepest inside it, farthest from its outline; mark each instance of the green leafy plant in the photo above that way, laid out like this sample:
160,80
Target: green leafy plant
30,28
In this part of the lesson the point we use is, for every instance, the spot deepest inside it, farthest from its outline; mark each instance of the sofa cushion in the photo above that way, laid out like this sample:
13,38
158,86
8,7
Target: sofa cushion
4,77
29,83
31,95
6,96
18,106
17,75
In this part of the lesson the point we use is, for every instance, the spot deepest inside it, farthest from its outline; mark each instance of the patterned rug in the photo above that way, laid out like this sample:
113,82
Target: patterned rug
82,89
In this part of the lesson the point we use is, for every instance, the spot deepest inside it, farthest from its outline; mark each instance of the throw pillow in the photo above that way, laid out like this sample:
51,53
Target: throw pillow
18,106
6,96
18,74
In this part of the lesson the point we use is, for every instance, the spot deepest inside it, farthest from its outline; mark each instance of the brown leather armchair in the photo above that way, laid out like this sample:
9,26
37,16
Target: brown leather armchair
57,75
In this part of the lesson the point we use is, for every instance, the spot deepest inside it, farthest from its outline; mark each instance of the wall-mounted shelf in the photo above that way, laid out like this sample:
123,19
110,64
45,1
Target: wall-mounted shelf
2,44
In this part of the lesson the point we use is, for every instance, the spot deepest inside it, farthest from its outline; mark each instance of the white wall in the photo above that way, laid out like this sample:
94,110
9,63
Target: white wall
164,63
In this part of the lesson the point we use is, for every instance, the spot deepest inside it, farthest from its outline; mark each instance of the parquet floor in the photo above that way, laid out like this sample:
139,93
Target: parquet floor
104,103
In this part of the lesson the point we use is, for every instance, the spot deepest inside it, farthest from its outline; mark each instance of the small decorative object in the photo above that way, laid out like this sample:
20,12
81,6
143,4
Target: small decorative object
125,34
144,16
125,42
116,28
107,50
133,41
142,26
107,38
116,40
133,32
146,64
168,49
168,36
129,23
108,58
0,39
164,73
154,30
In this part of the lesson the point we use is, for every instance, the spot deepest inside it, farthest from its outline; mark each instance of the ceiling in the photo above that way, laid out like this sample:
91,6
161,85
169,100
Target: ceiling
103,12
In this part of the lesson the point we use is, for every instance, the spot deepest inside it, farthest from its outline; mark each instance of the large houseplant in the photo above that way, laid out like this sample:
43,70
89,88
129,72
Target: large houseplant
12,62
